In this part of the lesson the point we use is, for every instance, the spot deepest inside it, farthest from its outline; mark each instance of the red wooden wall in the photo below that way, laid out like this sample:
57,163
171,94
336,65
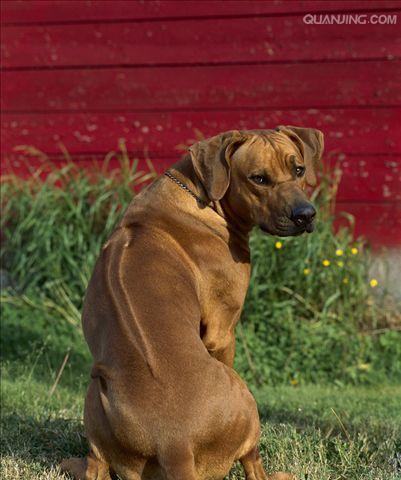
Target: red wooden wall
86,73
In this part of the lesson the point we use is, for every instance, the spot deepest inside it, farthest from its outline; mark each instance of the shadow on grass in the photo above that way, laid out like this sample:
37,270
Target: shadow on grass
44,441
330,427
40,344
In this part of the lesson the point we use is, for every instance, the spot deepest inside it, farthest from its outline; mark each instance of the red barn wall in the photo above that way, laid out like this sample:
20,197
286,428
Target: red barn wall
87,73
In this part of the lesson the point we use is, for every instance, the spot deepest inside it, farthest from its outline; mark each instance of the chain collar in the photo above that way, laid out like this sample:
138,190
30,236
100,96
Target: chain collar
184,187
197,198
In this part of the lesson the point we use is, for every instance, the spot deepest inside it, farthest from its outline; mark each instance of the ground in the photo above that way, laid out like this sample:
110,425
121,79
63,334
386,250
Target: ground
317,432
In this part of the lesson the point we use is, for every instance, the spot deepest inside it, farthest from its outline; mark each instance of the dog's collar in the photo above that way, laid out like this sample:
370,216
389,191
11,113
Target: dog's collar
184,187
202,203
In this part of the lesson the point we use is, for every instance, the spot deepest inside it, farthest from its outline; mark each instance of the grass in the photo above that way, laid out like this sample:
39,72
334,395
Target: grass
319,346
319,433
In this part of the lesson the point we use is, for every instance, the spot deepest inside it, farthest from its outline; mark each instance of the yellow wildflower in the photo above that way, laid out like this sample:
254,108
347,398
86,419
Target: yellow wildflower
326,263
294,381
345,280
340,263
306,271
364,366
373,283
354,251
278,245
339,252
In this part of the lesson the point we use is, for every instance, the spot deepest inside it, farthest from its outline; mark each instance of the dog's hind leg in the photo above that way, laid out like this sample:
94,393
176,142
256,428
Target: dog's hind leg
94,466
89,468
179,464
254,470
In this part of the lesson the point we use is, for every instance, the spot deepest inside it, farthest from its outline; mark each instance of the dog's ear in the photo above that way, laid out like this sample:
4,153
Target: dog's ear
311,144
211,161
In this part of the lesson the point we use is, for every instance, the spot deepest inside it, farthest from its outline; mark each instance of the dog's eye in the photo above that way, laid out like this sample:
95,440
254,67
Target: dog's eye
299,171
259,179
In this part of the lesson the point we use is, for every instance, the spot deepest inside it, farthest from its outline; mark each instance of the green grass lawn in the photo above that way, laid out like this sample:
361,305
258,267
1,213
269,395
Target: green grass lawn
317,432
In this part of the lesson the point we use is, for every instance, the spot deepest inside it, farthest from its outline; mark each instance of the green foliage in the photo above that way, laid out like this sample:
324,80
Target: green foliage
313,313
29,333
307,322
54,228
310,313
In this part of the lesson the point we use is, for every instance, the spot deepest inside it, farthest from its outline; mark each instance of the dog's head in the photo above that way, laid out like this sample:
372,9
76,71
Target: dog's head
260,176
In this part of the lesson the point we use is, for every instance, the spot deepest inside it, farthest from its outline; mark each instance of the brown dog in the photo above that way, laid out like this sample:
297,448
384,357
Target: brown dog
163,302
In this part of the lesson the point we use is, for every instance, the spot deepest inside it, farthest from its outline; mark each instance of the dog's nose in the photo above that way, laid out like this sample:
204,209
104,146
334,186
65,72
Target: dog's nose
303,215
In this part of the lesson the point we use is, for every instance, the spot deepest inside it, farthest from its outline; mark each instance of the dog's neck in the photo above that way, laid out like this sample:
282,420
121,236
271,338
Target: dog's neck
185,173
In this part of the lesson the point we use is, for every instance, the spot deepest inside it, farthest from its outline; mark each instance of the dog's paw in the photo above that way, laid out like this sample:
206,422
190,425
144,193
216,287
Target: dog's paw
282,476
76,467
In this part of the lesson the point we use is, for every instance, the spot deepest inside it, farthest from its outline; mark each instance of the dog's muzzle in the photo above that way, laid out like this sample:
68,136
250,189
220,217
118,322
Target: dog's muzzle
303,216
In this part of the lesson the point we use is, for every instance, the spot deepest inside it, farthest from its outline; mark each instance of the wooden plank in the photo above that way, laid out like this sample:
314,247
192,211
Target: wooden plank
369,178
365,178
200,41
25,166
62,11
355,131
276,86
380,223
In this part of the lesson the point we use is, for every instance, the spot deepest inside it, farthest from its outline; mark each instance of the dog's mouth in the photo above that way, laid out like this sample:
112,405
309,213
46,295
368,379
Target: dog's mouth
286,228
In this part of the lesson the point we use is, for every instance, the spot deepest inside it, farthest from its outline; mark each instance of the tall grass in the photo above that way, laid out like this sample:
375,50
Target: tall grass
312,312
54,224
